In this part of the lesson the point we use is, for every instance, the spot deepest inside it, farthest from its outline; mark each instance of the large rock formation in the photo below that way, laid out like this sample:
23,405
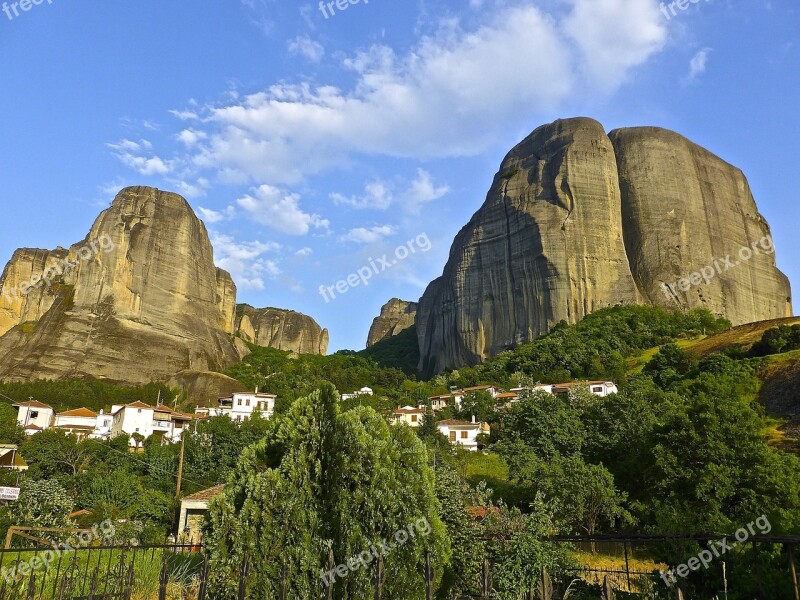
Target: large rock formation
281,329
577,220
138,300
396,316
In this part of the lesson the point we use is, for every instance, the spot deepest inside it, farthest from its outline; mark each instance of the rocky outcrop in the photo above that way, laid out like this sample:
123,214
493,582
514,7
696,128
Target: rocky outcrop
281,329
202,387
577,220
137,301
396,316
686,210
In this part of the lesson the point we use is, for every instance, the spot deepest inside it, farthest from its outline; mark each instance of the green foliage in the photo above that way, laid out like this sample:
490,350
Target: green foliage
777,340
324,476
400,351
42,504
78,393
596,348
10,432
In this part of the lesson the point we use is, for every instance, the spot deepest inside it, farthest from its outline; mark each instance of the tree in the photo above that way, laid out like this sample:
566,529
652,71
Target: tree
52,452
42,503
324,477
10,431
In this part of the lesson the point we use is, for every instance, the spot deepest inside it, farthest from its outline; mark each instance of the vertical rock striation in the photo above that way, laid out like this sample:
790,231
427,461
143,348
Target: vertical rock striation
577,220
138,300
281,329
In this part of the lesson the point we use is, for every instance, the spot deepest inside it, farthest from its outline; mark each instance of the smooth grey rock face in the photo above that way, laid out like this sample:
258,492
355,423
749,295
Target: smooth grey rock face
396,316
282,329
143,305
576,221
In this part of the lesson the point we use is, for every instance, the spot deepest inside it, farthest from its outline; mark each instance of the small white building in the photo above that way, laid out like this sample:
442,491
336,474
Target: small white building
438,403
103,428
241,406
34,416
193,511
463,433
80,422
147,421
365,391
598,388
408,415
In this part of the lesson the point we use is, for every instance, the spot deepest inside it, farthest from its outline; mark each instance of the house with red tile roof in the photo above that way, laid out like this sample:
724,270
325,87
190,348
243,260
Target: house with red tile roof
193,511
34,416
463,433
408,415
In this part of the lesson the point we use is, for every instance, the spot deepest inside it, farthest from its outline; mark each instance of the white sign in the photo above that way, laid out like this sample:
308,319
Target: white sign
9,493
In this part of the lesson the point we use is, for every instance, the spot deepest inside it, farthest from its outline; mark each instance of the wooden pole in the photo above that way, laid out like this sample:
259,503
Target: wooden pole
180,470
793,568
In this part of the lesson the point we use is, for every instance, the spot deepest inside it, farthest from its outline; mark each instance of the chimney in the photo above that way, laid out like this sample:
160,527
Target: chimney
256,389
473,419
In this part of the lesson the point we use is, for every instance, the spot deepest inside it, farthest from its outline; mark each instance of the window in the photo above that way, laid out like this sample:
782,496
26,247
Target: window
452,436
239,403
464,435
139,411
34,414
597,390
137,430
247,403
413,418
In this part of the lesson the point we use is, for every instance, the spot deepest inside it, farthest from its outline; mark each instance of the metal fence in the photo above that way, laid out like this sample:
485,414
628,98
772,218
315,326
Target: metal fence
764,568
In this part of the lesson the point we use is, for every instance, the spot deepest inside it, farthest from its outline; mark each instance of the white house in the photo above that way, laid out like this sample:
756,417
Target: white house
438,403
458,395
147,421
103,428
409,415
365,391
463,433
241,406
34,416
598,388
80,422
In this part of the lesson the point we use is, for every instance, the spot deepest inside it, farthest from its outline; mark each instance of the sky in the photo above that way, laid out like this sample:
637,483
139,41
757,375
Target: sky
314,141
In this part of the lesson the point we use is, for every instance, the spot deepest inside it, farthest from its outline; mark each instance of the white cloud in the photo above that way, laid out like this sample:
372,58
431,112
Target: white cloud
452,94
245,261
304,252
379,195
423,190
376,195
363,235
308,48
190,137
214,216
280,211
131,154
697,66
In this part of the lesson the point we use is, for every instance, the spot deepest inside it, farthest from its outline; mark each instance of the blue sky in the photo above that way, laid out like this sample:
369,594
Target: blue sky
310,145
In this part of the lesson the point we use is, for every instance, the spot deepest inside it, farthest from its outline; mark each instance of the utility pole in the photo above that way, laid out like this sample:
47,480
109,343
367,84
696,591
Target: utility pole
180,467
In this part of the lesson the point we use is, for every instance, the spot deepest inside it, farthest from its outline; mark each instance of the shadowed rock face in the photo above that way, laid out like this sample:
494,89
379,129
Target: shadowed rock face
141,301
576,221
396,316
281,329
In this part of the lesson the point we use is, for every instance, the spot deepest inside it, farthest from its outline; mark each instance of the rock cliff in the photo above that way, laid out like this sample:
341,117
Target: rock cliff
137,301
396,316
578,220
281,329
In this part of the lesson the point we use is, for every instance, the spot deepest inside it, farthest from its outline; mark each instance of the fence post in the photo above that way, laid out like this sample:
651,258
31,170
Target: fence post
380,578
627,567
759,579
428,576
243,578
793,568
284,580
486,579
201,593
163,578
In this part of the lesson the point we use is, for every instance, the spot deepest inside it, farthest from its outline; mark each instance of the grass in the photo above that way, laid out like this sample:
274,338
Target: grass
637,363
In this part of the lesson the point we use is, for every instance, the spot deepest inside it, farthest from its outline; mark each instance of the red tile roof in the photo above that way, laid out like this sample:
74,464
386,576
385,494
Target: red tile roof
78,412
457,423
408,411
208,494
34,404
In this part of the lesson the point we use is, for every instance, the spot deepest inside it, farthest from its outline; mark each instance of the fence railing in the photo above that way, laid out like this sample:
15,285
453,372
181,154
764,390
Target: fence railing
764,569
